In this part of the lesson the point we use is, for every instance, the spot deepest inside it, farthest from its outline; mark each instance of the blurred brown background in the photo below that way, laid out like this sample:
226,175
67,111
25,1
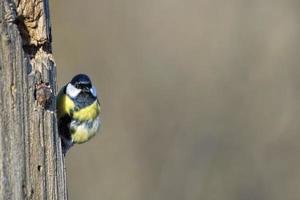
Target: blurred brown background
201,99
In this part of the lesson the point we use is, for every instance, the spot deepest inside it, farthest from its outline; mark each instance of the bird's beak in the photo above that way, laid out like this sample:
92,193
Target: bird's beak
85,89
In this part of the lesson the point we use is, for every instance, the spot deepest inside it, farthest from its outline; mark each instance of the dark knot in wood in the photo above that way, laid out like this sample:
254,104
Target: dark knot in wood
43,93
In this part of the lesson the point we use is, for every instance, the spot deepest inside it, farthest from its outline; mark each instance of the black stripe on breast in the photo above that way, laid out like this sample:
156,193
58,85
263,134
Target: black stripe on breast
84,99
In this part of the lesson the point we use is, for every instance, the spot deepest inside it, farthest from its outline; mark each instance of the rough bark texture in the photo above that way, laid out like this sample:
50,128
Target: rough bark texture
31,162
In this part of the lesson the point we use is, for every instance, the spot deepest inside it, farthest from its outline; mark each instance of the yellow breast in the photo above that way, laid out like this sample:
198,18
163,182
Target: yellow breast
66,106
86,130
87,113
81,135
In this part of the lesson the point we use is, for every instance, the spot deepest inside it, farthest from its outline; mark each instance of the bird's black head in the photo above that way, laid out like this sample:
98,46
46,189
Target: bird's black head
81,87
82,82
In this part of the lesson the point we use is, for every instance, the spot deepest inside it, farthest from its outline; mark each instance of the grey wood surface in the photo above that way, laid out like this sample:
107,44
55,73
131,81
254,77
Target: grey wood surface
31,162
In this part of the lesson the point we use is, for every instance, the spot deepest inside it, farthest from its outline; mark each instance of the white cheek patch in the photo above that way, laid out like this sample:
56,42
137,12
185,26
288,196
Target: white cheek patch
93,91
72,91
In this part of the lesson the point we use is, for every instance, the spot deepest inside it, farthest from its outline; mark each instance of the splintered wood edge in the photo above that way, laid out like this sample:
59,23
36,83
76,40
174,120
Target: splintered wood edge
34,23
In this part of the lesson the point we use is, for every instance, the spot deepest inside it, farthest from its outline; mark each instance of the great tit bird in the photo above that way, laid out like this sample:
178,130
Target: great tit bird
78,111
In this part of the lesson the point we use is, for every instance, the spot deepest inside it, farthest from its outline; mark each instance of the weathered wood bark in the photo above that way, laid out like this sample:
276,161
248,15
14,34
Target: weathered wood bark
31,162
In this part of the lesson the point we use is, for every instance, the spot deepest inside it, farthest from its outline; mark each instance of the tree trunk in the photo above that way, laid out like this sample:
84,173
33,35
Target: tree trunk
31,162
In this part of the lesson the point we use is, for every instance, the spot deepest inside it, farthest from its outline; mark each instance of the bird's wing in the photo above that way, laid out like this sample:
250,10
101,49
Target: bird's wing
64,107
